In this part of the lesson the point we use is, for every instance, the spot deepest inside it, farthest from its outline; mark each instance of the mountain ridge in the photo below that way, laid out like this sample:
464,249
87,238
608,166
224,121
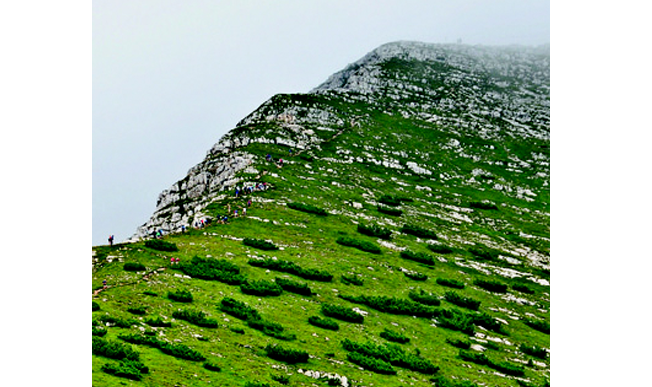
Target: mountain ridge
222,178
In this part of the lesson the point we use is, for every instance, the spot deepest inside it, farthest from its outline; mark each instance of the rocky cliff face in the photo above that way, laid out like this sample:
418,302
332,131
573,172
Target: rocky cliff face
493,93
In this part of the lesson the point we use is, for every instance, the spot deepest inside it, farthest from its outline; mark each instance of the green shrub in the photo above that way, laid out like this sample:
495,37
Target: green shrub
283,379
157,244
508,368
238,309
488,322
455,320
253,319
129,369
371,363
474,357
394,336
149,293
195,317
292,268
392,305
390,200
237,330
451,283
462,344
393,355
389,211
415,275
96,306
539,325
257,384
323,323
483,206
141,340
158,322
118,322
113,349
424,298
307,208
418,257
535,351
352,280
341,313
259,244
492,286
359,244
180,296
213,270
418,231
287,355
261,288
133,266
180,351
464,302
439,249
441,381
98,331
212,367
139,310
293,287
522,289
375,231
484,254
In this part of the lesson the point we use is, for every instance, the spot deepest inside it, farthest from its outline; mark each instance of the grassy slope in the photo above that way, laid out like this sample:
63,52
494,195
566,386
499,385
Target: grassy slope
309,241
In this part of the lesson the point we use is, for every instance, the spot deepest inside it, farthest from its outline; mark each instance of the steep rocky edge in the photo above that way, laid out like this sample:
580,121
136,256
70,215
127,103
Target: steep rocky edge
492,92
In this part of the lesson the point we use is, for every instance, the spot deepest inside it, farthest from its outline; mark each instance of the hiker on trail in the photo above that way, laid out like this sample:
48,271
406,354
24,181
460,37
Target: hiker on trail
235,213
183,228
268,157
176,260
290,152
202,223
104,284
244,211
280,162
110,240
172,261
249,203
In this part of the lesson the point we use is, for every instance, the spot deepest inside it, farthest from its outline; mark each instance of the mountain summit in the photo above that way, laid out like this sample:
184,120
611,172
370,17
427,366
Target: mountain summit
390,227
490,92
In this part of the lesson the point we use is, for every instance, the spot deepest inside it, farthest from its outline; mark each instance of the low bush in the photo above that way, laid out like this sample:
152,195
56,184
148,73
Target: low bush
390,200
482,359
484,254
371,363
522,289
352,280
237,330
212,367
99,331
323,323
253,319
292,268
418,257
238,309
96,306
415,275
261,288
392,305
451,283
441,381
133,266
392,354
157,244
455,320
375,231
174,349
341,313
113,349
118,322
129,369
492,286
461,344
213,270
424,298
394,336
149,293
539,325
294,287
270,328
283,379
158,322
307,208
418,231
439,249
259,244
488,322
535,351
198,318
464,302
359,244
483,206
180,296
139,310
256,384
287,355
389,211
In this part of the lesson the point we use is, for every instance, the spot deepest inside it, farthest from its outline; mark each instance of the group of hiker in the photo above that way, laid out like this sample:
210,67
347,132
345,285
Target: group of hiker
239,191
279,163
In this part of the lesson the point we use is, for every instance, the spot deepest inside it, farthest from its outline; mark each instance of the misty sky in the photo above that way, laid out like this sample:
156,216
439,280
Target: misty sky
171,77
